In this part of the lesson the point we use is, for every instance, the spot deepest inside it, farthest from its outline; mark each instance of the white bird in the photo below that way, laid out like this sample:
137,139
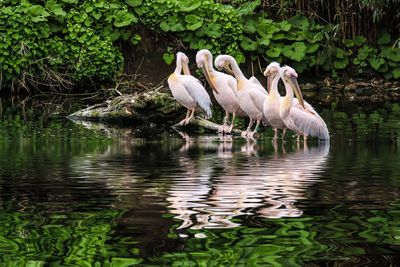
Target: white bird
250,97
224,88
273,99
302,119
187,90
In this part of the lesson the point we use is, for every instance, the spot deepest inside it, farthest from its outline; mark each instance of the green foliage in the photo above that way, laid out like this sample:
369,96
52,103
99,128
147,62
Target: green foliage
68,37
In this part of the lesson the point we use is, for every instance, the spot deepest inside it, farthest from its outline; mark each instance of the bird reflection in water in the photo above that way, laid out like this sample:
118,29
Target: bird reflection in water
228,179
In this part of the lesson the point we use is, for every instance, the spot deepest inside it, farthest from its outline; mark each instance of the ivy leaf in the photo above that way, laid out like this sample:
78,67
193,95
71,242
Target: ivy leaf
296,51
396,73
247,44
133,3
212,30
359,40
340,53
391,53
312,48
124,18
348,43
172,23
189,5
341,63
135,39
376,62
248,8
274,51
299,21
168,58
264,41
285,25
250,25
38,13
193,22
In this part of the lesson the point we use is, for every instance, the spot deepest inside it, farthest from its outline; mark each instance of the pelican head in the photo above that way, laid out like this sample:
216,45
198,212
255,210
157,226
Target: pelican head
270,72
289,76
181,57
204,62
222,62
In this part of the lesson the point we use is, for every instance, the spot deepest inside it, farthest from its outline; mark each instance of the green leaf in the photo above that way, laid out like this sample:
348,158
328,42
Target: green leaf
312,48
248,8
285,25
296,51
391,53
38,13
274,51
212,30
299,21
193,22
376,62
247,44
189,5
133,3
359,40
396,73
168,58
340,53
264,41
173,24
341,63
136,39
250,25
348,43
124,18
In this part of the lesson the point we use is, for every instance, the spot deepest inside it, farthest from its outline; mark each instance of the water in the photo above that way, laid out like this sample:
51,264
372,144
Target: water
88,195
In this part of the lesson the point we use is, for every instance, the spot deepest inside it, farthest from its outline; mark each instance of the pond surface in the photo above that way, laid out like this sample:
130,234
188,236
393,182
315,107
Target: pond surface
87,195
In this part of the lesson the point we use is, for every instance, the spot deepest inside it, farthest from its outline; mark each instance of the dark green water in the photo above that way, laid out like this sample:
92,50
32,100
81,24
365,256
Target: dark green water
87,195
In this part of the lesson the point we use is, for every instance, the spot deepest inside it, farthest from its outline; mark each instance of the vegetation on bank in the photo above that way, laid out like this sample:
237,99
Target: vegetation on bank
58,42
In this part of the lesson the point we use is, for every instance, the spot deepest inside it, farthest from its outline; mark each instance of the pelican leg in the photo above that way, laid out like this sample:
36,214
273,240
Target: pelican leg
224,123
276,133
283,133
298,138
190,117
182,122
255,129
229,129
305,138
245,133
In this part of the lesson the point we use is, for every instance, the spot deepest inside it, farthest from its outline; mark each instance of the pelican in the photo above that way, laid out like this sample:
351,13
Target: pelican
250,96
224,88
273,99
302,119
187,90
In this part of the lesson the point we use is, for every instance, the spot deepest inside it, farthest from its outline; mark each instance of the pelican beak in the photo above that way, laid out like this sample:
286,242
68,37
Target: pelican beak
185,67
228,68
297,91
269,82
209,79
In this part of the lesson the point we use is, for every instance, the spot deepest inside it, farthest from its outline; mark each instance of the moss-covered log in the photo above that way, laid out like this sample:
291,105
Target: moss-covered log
152,105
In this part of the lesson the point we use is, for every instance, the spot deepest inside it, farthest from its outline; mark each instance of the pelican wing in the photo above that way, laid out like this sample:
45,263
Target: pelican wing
257,85
198,93
232,84
309,122
258,98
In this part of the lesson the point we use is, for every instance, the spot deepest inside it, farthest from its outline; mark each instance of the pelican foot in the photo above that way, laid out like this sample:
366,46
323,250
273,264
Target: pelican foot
244,134
228,129
187,121
221,128
182,122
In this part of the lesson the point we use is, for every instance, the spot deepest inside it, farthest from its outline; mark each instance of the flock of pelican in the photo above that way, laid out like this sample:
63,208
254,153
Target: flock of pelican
244,97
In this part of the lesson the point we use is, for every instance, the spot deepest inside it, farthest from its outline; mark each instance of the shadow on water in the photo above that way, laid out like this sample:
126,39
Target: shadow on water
87,194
